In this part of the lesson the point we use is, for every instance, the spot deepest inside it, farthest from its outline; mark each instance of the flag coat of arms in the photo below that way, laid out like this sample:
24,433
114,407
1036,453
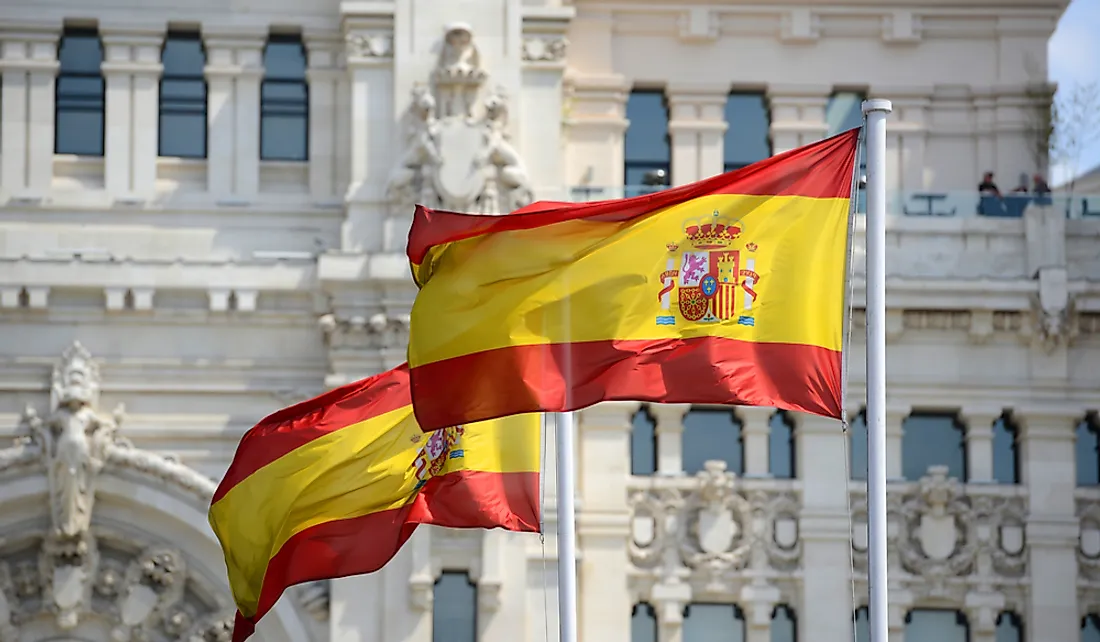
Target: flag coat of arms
335,485
726,291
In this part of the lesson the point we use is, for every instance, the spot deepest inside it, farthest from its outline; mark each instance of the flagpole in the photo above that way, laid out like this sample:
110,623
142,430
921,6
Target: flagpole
875,112
567,530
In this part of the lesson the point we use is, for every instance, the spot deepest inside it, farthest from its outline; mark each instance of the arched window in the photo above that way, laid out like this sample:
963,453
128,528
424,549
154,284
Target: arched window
643,443
713,623
1090,628
935,625
781,446
712,433
1010,628
454,608
1006,457
643,623
784,625
79,94
183,96
1088,451
857,445
284,100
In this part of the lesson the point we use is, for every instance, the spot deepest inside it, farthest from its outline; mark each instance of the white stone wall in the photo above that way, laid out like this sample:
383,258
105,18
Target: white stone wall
211,292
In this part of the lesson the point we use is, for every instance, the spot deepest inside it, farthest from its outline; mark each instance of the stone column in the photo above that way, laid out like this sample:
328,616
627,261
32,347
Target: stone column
900,602
324,75
797,115
758,601
670,437
669,598
373,128
982,608
131,69
696,128
911,107
979,444
595,127
234,69
27,113
603,523
1047,440
755,427
823,526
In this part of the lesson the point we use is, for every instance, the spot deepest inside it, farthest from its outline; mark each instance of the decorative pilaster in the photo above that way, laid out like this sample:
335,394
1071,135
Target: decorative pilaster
131,69
670,437
826,543
369,42
1047,440
324,77
603,523
29,67
696,128
755,426
596,123
542,75
234,70
979,443
797,115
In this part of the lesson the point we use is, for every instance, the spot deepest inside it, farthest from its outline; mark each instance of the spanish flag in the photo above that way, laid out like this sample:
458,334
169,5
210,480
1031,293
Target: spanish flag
333,486
725,291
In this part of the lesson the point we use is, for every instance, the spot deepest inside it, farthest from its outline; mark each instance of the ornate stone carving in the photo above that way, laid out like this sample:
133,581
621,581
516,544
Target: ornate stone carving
545,48
378,331
938,540
370,45
709,525
1088,542
1054,322
936,320
69,576
457,153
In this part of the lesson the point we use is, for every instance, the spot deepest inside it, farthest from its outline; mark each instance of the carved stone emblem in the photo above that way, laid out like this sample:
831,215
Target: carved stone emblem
76,569
457,153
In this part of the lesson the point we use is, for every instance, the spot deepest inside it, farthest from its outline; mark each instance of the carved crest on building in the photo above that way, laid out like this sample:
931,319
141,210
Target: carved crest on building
457,153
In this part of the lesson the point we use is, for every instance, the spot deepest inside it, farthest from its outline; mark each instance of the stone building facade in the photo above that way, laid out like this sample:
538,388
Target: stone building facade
202,217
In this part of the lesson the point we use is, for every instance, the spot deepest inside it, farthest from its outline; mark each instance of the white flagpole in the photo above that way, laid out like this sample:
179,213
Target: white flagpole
567,529
875,112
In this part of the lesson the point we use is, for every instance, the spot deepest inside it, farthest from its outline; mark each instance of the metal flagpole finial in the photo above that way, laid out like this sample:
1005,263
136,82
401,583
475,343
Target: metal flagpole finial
877,104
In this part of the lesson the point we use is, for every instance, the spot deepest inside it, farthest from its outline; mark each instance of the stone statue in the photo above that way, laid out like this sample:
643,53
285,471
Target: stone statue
458,155
458,73
74,440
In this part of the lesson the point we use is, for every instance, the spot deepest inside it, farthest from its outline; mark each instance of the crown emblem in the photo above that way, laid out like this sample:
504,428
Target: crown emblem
672,247
751,247
712,232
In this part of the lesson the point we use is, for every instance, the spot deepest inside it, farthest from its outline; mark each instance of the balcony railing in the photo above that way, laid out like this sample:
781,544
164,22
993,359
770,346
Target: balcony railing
927,203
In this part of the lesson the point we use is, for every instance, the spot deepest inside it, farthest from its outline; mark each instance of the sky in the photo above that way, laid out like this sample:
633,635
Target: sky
1073,56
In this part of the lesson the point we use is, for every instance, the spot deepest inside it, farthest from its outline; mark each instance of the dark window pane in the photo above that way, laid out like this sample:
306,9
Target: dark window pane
1090,629
643,624
643,444
454,609
1088,454
844,111
183,97
863,625
646,145
748,135
780,447
80,132
857,441
932,440
79,94
783,625
1009,628
284,138
933,625
284,101
712,434
713,623
1006,461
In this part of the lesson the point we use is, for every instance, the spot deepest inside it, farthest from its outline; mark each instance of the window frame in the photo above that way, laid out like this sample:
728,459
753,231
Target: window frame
60,98
204,101
275,105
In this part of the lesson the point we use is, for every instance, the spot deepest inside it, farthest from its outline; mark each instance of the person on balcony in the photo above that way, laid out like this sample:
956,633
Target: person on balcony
990,202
